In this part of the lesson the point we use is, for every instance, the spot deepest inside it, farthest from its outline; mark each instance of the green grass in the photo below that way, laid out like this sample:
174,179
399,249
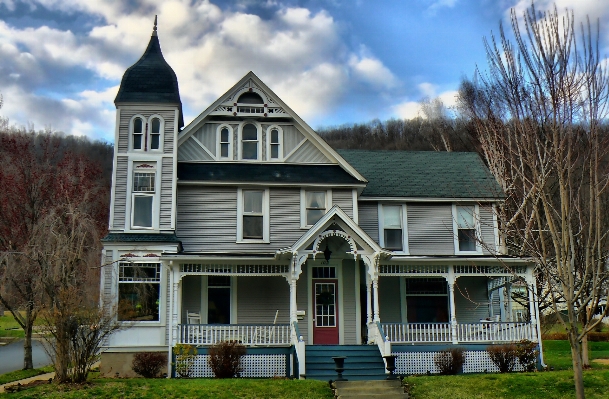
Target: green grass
21,374
194,388
9,327
557,354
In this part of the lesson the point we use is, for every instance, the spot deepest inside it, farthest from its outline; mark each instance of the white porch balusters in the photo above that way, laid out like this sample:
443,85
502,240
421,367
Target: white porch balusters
451,295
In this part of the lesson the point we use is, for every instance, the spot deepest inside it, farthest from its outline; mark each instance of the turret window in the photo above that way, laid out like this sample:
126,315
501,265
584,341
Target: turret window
138,133
155,134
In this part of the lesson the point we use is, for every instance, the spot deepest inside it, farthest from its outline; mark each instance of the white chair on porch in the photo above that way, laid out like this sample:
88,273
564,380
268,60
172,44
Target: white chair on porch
264,335
195,334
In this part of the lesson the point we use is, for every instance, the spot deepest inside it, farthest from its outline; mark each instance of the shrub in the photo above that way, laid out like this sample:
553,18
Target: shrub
185,359
149,364
503,356
526,352
225,359
450,361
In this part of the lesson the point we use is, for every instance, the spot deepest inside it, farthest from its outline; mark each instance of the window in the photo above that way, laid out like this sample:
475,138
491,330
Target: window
138,133
146,135
392,227
225,142
249,142
253,211
143,196
427,300
139,289
274,144
315,205
218,299
155,134
466,226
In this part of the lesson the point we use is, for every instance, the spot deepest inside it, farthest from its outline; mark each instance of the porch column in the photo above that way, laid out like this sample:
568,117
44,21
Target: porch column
368,299
174,295
530,279
508,292
375,289
451,296
293,305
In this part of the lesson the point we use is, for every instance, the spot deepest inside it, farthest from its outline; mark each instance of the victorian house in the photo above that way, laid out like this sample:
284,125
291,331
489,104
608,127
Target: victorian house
246,225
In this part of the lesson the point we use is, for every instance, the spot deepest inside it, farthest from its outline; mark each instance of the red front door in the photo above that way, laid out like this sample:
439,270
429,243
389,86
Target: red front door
325,303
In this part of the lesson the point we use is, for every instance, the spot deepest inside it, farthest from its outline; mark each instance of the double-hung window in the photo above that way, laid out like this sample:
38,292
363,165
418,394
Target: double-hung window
138,134
225,142
393,235
274,144
466,226
315,205
253,215
143,194
139,291
250,142
155,134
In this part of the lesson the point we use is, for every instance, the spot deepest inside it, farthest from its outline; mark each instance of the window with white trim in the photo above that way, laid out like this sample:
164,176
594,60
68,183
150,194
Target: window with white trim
139,291
314,206
466,228
137,135
392,227
155,134
143,194
253,223
274,143
250,142
225,142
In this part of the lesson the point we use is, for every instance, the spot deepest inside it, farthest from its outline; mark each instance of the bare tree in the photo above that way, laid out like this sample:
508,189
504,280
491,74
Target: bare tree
538,113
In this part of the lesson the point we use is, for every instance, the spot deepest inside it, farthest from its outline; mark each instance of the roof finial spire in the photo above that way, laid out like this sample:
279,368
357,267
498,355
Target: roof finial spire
154,29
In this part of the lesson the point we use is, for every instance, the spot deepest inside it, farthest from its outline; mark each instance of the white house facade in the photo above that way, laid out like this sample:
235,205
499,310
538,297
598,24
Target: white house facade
246,225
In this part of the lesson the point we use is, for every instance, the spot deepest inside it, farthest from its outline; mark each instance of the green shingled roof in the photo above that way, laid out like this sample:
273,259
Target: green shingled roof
423,174
140,237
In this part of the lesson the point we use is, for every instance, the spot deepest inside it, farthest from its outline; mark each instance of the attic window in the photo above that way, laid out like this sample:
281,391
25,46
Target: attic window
250,98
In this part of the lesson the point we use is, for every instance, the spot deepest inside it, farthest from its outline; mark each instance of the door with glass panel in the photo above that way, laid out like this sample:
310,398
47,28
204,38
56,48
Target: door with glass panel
325,306
218,299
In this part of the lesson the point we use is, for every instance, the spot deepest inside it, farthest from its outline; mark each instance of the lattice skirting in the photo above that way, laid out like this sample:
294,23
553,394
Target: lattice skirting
254,366
422,362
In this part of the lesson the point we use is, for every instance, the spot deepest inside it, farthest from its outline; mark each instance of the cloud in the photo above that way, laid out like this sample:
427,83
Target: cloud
411,109
69,79
439,4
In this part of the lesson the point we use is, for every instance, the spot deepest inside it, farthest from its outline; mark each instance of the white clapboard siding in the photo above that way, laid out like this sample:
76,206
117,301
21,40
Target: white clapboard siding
471,299
302,302
349,302
190,150
369,219
120,192
430,229
166,194
191,296
487,229
308,153
207,219
389,299
207,136
259,298
344,199
291,138
168,134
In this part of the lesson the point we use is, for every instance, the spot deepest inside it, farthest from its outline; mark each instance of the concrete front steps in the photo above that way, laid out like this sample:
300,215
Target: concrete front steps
363,362
387,389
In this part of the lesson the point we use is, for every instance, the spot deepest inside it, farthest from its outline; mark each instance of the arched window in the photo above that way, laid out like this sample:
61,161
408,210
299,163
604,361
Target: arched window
138,133
225,142
250,98
249,142
155,134
274,143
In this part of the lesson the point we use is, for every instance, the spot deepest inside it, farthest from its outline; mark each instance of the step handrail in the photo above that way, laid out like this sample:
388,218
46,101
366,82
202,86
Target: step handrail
299,349
381,340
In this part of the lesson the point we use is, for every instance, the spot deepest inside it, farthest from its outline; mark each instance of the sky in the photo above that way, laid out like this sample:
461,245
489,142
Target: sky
333,62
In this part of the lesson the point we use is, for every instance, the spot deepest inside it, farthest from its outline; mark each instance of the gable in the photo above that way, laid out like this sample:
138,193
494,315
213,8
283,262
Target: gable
218,133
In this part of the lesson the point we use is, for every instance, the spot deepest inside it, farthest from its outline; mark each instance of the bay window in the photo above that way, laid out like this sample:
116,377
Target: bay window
139,291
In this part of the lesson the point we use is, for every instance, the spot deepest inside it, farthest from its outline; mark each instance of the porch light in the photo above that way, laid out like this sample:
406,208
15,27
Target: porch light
327,253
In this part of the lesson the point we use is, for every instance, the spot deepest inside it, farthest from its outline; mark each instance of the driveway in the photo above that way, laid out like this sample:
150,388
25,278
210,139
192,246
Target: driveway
11,356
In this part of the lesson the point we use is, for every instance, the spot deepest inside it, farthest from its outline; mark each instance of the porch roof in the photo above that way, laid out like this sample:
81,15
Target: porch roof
141,237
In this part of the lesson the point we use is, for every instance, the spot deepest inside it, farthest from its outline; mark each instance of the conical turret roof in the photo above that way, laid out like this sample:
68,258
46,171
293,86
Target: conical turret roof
150,79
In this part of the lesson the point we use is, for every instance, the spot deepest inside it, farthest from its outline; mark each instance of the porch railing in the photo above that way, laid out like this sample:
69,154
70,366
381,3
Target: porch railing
418,332
247,334
466,332
495,332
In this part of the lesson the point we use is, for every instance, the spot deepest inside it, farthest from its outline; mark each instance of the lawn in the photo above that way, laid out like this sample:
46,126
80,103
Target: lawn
21,374
548,385
9,327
